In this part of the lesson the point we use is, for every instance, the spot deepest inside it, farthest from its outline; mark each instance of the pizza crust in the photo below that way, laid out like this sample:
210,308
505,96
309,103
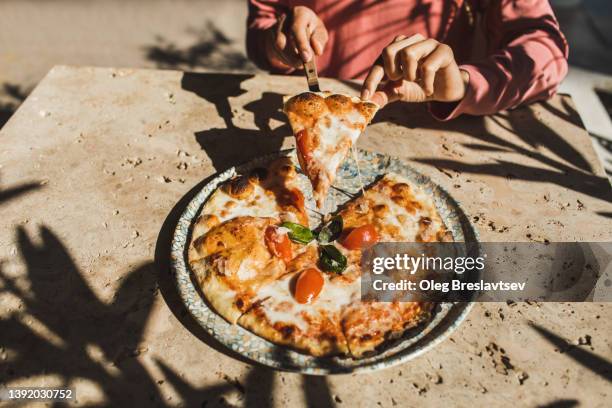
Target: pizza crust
367,325
218,293
323,336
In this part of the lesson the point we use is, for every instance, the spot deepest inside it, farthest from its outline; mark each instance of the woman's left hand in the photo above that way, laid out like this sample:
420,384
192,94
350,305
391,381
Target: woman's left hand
416,69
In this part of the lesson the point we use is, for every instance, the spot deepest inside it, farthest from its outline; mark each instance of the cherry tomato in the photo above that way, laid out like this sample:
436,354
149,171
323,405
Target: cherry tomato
278,243
361,237
304,146
308,285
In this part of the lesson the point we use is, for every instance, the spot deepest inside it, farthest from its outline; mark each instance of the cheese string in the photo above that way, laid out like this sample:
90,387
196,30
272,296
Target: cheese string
354,153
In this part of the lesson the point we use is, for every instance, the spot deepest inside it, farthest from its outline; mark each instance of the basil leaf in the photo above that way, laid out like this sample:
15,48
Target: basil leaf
298,233
331,231
331,259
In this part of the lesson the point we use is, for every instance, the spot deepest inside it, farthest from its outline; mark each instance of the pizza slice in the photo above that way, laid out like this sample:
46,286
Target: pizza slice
303,308
396,210
271,191
367,325
236,258
390,210
326,126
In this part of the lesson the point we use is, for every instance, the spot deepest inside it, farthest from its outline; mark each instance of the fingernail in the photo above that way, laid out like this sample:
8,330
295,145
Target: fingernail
305,56
365,94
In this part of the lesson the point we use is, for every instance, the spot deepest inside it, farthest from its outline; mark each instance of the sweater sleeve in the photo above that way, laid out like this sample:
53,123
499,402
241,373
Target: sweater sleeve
526,62
263,15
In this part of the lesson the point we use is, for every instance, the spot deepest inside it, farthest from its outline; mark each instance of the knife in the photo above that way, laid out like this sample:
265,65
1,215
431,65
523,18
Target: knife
311,76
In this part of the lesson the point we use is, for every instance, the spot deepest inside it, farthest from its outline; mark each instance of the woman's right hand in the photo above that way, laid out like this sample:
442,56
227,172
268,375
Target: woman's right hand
296,38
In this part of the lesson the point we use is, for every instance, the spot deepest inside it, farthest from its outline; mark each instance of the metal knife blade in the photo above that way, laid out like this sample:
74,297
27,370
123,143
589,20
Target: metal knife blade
311,76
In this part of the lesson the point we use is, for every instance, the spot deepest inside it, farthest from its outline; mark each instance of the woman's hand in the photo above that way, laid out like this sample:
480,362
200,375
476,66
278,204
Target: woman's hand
296,38
416,69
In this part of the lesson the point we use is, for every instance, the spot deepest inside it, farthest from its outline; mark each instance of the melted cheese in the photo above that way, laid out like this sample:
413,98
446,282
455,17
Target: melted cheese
280,306
407,230
396,221
361,185
247,270
334,133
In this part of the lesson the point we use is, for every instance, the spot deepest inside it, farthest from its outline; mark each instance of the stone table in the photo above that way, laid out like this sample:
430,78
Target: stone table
97,164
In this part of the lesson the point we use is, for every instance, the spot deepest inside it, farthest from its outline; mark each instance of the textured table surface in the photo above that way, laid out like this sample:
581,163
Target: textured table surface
97,164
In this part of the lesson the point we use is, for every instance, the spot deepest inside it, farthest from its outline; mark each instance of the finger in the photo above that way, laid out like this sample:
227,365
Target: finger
283,49
391,58
318,40
283,46
409,65
301,34
412,54
380,98
388,93
280,24
431,64
281,41
371,82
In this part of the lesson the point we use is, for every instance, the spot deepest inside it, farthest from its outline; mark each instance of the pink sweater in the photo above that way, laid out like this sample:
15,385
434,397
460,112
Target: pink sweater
513,50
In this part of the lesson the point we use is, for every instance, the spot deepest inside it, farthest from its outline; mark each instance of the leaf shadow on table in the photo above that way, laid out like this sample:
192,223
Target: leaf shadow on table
210,48
317,391
56,331
605,144
11,193
594,363
563,403
554,159
61,328
256,393
232,145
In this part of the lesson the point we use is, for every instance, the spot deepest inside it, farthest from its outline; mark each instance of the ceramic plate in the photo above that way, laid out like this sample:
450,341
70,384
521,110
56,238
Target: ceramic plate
415,342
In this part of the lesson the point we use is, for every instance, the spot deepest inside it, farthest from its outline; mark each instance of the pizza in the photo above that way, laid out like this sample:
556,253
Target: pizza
234,263
264,192
259,265
229,236
399,212
326,126
312,327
